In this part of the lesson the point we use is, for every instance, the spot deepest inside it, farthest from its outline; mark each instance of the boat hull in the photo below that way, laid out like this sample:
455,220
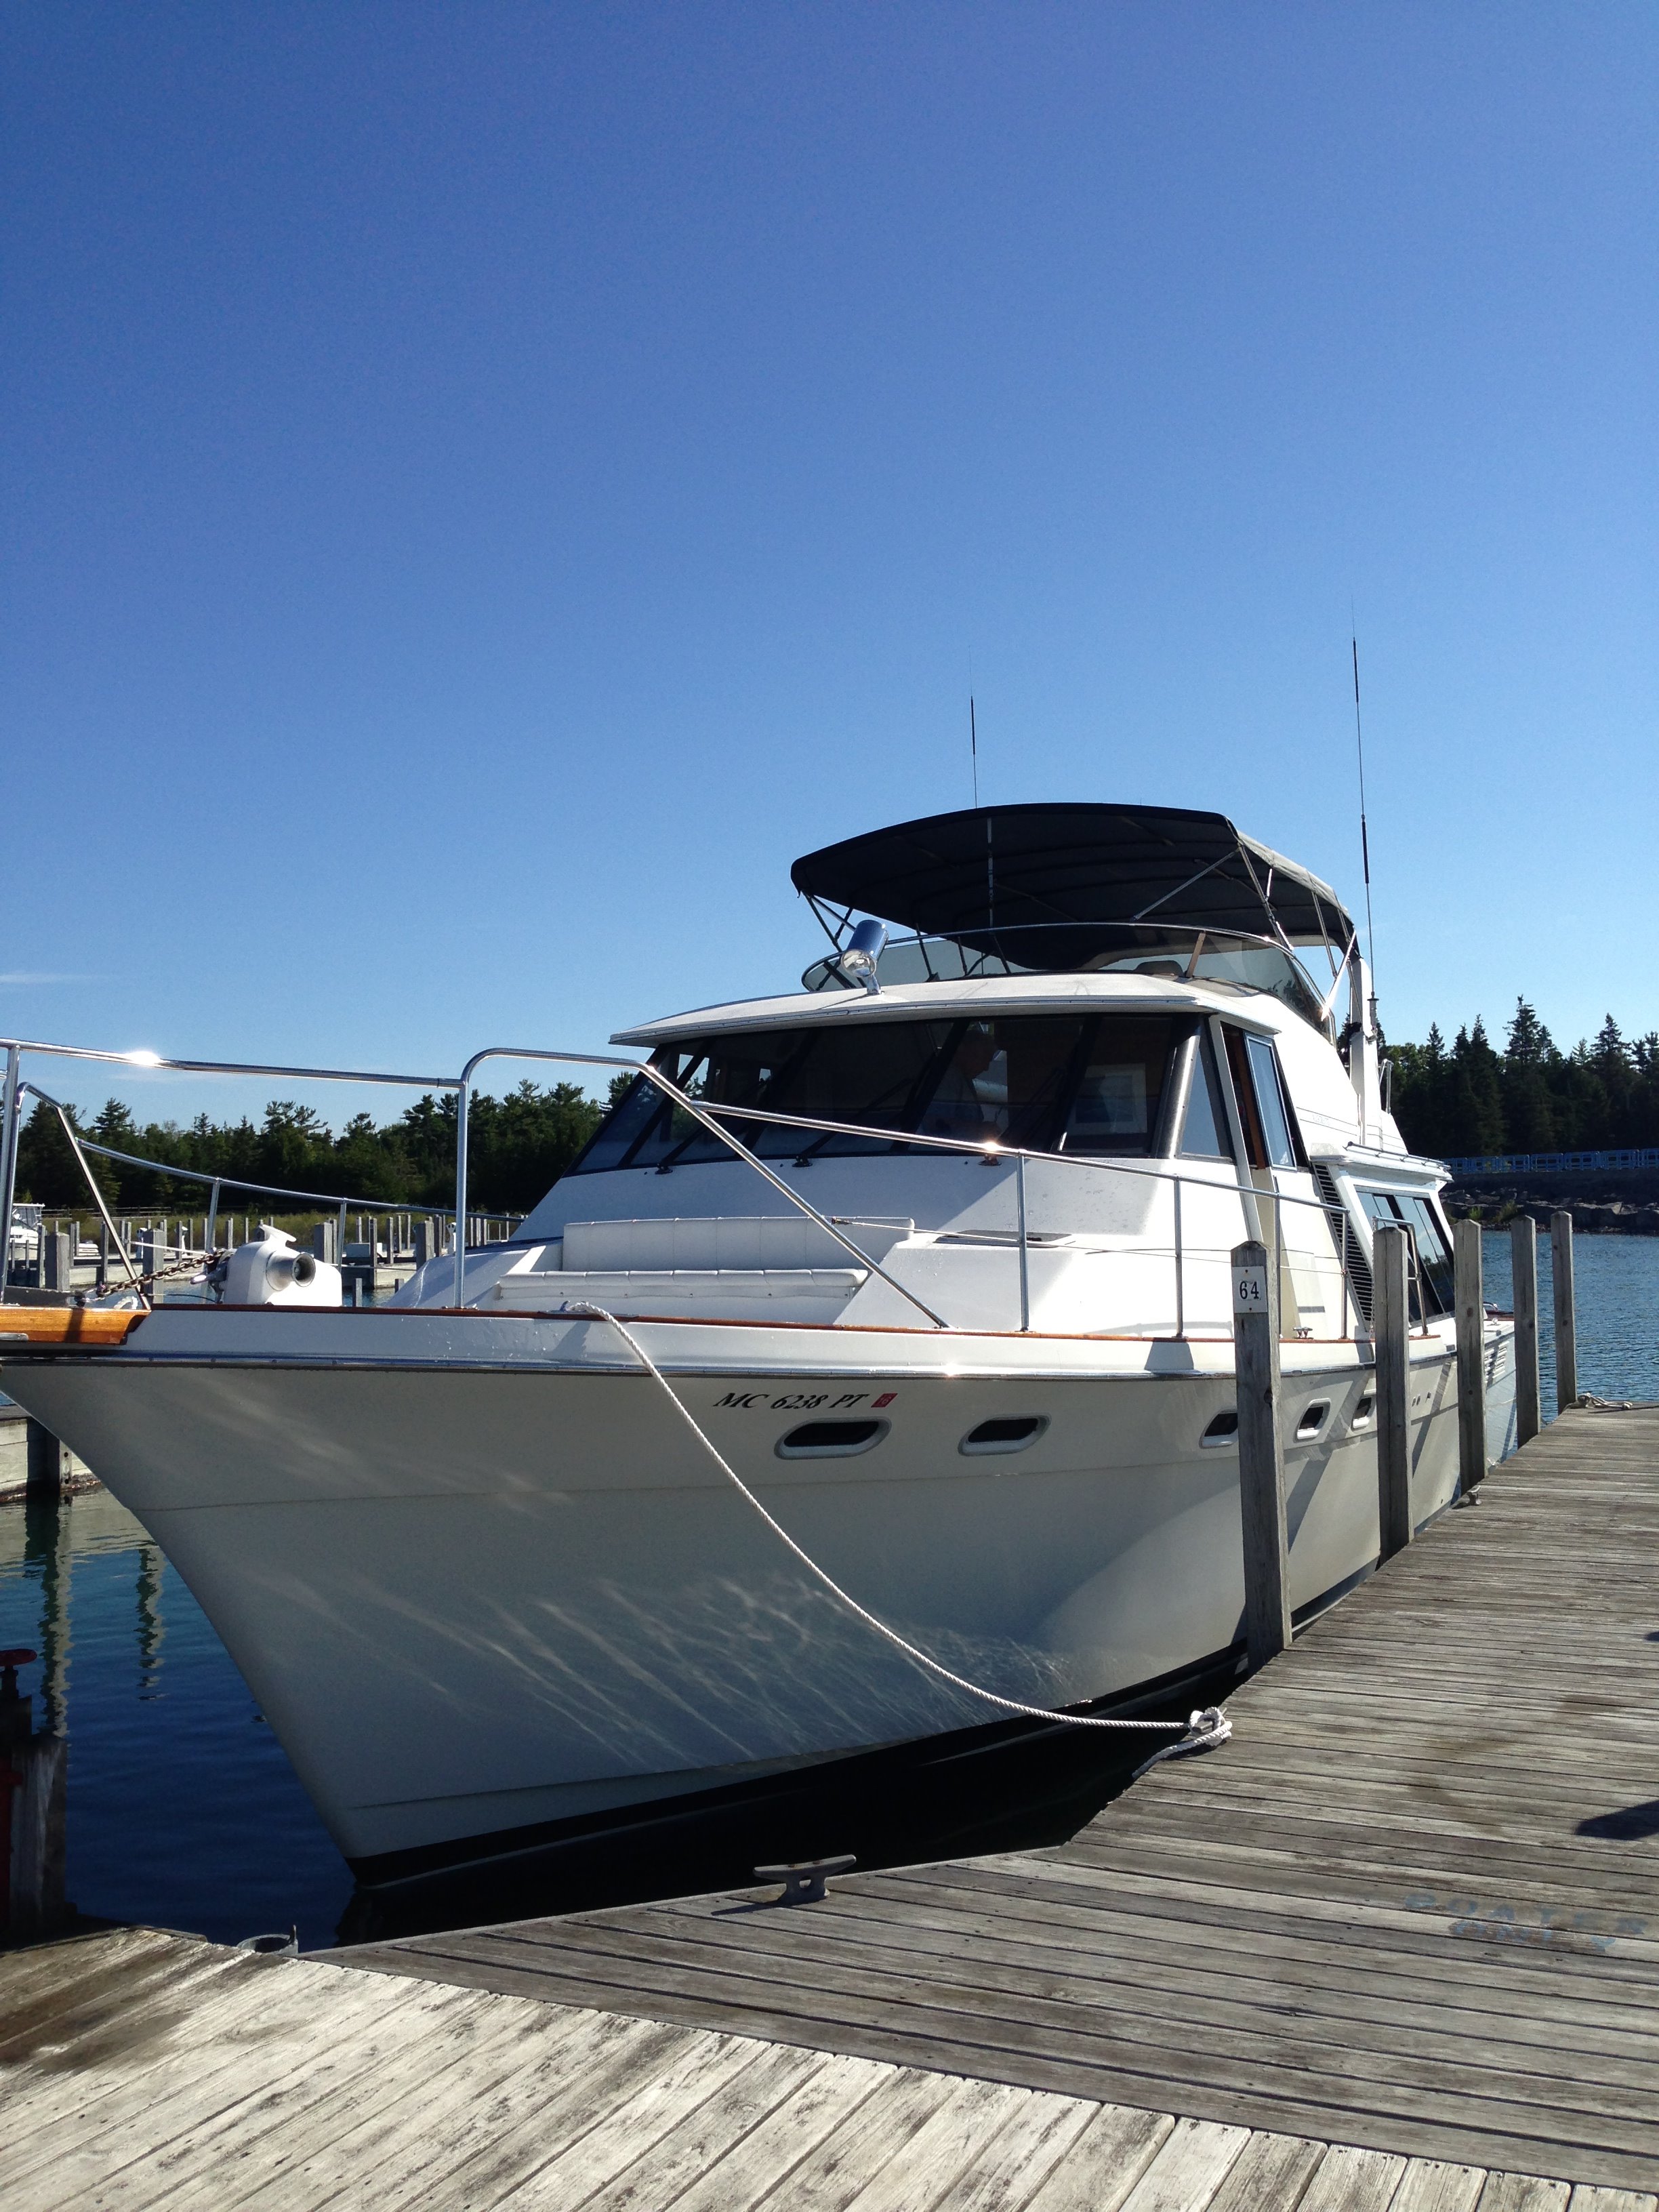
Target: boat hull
486,1583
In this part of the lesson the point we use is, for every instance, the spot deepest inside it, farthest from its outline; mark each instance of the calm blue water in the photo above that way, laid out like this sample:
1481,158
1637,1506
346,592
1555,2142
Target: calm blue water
182,1811
1616,1289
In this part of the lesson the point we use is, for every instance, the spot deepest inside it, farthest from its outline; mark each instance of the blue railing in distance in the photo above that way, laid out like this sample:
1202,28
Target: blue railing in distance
1554,1163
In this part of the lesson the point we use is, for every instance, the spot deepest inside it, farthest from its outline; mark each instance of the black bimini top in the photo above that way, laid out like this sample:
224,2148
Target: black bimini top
1089,876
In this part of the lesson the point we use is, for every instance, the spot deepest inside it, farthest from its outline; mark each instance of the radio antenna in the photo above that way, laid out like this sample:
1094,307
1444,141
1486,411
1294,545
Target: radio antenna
972,746
1365,837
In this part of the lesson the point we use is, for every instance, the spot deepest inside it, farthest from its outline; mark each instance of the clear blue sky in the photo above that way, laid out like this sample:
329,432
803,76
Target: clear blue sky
486,485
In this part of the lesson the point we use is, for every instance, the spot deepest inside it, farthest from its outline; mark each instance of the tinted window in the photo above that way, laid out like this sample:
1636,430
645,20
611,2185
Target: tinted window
1433,1253
1118,1089
1087,1083
1403,1209
1203,1132
1270,1103
1006,1078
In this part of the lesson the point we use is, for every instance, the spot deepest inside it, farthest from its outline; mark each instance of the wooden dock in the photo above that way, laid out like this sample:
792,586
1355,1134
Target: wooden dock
1396,1946
1413,1906
144,2070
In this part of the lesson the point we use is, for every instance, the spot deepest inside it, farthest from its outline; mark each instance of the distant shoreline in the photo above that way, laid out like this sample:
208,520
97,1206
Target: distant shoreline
1601,1205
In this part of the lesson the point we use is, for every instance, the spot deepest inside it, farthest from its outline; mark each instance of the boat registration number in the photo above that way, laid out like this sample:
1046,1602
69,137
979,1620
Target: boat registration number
802,1402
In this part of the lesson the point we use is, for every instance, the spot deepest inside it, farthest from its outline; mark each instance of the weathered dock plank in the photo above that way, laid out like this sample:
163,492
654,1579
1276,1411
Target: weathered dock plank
288,2086
1412,1910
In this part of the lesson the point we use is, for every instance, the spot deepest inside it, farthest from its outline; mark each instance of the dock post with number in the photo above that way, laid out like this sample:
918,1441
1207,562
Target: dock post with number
1261,1456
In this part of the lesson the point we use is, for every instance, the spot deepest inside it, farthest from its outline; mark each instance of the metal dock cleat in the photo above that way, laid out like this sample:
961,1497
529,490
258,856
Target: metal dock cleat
803,1880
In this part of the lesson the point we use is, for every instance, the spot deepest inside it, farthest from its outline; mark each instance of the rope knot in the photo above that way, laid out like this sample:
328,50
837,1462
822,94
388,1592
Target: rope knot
1205,1731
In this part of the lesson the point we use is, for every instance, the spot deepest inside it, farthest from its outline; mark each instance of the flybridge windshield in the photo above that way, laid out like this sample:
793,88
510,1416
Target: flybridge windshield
1197,956
1083,1083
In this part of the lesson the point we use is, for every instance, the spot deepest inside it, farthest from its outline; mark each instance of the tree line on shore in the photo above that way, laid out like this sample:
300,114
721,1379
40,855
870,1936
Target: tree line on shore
1467,1099
517,1147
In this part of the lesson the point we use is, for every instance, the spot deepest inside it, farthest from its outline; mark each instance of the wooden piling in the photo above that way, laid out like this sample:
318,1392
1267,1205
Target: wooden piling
38,1829
1261,1455
57,1259
47,1462
1471,1355
1390,1330
1567,1314
1524,1268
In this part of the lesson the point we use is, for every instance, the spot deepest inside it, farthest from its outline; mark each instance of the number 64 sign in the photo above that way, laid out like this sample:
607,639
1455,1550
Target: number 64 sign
1250,1290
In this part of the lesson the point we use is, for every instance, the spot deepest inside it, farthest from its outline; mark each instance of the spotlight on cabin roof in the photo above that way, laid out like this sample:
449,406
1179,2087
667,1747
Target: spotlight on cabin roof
863,951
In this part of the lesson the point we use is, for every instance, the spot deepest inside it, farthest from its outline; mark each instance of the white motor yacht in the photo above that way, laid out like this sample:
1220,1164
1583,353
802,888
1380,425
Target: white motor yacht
934,1255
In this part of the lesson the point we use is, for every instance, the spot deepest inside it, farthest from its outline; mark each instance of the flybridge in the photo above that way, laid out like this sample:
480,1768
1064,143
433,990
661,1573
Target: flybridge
1068,889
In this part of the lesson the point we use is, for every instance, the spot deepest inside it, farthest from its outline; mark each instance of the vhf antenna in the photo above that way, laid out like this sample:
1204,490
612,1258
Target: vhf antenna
972,746
1364,838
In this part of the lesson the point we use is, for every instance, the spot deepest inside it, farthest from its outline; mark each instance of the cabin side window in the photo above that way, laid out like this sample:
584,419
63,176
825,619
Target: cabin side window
1272,1104
1205,1134
1263,1108
1432,1284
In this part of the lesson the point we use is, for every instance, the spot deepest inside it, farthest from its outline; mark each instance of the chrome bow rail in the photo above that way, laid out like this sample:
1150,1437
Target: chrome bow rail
1345,1248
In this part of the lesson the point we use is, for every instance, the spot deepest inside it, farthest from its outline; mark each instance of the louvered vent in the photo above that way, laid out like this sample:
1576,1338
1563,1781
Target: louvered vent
1359,1273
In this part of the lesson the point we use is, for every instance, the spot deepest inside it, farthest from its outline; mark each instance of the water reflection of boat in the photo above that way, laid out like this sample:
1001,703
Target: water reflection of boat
959,1314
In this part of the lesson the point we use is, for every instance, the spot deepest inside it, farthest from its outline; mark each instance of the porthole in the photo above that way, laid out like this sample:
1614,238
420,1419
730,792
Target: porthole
1222,1431
1363,1411
1007,1433
832,1439
1313,1421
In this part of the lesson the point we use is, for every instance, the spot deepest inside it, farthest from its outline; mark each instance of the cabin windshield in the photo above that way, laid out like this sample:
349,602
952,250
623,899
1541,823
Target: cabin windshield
1081,1083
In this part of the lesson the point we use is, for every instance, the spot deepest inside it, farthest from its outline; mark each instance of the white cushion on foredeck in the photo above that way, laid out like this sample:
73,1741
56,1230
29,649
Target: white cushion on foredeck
721,1241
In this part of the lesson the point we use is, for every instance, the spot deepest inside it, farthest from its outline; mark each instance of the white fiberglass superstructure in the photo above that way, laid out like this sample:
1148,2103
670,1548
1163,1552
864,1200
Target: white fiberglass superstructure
933,1252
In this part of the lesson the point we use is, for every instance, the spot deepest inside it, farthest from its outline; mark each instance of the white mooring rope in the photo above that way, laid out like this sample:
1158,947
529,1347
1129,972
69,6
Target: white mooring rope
1202,1731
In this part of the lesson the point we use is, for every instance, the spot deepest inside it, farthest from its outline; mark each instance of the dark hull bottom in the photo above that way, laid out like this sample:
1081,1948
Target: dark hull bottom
1011,1785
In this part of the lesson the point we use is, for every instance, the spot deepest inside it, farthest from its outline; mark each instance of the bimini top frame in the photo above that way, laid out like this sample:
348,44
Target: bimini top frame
1054,887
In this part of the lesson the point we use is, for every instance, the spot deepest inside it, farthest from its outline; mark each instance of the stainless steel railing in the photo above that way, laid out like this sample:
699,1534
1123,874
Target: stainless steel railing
1346,1243
14,1089
1251,1195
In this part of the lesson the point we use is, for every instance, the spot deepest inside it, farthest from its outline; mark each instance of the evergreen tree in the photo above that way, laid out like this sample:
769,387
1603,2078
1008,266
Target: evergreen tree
1532,1097
1529,1044
1610,1050
47,1169
1476,1118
